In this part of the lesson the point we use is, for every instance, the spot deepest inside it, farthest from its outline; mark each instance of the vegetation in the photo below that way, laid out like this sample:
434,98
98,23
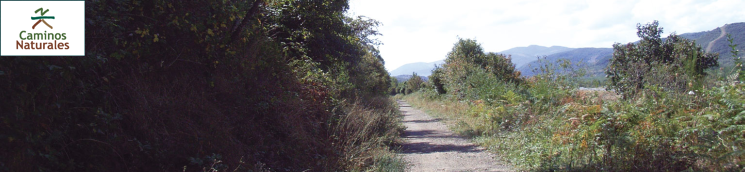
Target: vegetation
281,85
545,123
467,59
675,64
414,83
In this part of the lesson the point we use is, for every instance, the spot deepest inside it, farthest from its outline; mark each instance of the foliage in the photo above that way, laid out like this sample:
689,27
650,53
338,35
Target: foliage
414,83
394,85
547,124
437,79
738,68
675,63
217,85
467,58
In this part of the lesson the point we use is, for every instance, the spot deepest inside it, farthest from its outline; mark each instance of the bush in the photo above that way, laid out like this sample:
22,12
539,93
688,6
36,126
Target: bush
675,63
547,124
468,58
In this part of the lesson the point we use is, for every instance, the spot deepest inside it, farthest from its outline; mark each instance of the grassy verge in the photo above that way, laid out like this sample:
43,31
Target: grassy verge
367,134
547,129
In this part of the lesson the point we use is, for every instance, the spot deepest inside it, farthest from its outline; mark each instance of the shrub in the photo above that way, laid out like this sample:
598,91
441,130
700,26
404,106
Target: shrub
674,63
467,58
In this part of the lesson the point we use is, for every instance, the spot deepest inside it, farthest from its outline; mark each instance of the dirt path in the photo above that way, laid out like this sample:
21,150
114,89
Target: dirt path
711,44
431,146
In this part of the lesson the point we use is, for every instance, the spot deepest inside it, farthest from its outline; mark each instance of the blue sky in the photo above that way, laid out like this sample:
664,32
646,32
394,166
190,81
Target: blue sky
425,30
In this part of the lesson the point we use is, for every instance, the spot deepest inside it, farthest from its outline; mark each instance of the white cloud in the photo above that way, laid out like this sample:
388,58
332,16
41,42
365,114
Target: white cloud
424,31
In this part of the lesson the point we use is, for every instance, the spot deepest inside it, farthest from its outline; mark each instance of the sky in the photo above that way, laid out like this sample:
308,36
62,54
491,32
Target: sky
425,30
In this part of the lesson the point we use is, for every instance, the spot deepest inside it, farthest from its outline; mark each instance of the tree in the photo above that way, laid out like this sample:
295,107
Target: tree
501,66
414,83
675,63
437,79
467,58
392,89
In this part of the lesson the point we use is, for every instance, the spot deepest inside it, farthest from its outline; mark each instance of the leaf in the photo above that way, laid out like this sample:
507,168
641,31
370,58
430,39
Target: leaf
209,31
156,38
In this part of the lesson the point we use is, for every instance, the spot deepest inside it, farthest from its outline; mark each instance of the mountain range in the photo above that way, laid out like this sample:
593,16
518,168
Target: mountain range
596,59
420,68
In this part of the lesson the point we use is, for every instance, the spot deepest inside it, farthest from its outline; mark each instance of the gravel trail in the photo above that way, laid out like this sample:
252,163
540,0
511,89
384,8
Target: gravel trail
431,146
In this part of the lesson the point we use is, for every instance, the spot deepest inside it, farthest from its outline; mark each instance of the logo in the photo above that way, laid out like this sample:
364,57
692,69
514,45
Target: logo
55,31
41,18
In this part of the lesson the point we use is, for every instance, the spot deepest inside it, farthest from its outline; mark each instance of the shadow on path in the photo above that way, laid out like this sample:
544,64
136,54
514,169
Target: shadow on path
432,146
423,121
426,147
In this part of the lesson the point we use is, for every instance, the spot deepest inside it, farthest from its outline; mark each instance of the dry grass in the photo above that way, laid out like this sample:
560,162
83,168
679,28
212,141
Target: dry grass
366,131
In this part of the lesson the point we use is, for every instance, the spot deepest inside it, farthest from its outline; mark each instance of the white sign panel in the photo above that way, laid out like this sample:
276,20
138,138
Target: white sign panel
42,28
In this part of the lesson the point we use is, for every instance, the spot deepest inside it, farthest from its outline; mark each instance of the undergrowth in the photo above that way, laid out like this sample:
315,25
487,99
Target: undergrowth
205,86
581,133
663,122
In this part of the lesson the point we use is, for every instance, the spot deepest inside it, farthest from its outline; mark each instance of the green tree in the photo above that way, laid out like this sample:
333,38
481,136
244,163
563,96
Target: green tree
437,79
414,83
392,89
675,63
467,58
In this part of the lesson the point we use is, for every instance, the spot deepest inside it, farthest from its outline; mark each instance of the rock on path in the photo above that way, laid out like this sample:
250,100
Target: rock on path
431,146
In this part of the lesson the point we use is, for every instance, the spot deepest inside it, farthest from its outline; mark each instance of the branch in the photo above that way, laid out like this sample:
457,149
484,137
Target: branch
254,9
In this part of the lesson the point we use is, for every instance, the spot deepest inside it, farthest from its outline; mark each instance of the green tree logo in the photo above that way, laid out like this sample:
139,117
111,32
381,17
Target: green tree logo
41,18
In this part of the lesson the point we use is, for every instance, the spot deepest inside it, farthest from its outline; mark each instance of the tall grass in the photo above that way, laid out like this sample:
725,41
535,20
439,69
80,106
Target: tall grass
365,133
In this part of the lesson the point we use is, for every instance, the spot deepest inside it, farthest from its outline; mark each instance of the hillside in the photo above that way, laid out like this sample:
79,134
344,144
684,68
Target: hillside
420,68
594,58
524,55
721,45
520,56
597,58
404,78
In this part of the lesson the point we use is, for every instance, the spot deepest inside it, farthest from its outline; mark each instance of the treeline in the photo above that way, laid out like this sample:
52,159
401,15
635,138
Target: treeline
285,85
408,86
667,108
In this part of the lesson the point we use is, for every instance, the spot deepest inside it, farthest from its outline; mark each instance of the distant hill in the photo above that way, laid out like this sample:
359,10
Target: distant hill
421,68
404,78
520,56
716,42
596,59
524,55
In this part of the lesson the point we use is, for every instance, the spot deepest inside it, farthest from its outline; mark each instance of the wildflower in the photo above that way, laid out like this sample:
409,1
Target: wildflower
691,93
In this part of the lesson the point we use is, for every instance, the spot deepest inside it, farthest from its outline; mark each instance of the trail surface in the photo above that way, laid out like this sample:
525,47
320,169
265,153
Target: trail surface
431,146
721,35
